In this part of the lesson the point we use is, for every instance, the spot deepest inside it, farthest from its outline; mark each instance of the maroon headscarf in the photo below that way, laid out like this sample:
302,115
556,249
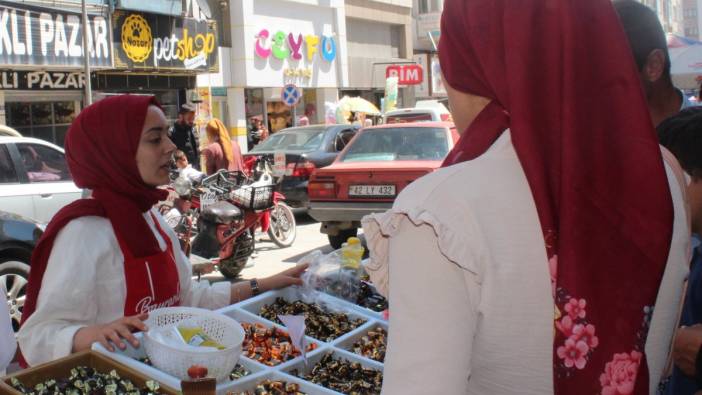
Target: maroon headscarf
101,148
562,78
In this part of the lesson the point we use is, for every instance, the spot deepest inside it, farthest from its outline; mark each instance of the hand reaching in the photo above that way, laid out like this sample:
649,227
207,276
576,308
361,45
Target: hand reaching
110,333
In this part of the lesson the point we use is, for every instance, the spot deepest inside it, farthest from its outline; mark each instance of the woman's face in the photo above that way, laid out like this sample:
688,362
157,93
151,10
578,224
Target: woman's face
155,149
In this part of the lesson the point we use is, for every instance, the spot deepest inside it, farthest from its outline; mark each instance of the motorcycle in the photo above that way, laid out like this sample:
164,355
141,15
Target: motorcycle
279,221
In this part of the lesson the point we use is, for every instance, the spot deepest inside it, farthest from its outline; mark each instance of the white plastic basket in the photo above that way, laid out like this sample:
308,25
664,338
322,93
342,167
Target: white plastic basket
176,361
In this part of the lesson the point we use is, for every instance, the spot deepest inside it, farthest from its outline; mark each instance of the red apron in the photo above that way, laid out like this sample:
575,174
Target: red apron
152,282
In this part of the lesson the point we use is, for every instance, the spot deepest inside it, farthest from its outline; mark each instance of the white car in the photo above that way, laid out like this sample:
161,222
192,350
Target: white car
423,111
34,178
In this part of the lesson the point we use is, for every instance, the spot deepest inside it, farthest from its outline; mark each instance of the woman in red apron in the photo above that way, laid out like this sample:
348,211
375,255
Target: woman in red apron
105,262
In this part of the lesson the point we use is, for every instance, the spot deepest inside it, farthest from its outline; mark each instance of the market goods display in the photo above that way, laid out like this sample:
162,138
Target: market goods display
368,298
344,376
85,380
239,370
372,345
272,387
322,325
269,346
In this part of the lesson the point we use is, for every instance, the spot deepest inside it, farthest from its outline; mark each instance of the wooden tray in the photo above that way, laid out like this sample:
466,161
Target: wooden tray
61,368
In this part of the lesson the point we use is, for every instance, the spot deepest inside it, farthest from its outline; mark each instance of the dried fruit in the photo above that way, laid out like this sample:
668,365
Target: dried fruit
87,380
344,376
269,346
373,345
320,324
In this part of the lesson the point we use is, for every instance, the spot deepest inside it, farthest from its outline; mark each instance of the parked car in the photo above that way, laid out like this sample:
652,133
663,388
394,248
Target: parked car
18,237
305,149
423,111
34,178
373,169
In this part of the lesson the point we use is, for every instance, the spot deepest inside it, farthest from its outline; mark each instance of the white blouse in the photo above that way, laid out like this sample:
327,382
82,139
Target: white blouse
84,285
462,256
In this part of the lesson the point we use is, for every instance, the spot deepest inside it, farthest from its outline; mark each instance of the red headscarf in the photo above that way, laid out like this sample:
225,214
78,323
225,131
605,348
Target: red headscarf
562,78
101,148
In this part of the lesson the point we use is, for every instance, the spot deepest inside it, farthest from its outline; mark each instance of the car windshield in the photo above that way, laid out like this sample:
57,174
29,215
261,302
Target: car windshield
409,117
293,140
389,144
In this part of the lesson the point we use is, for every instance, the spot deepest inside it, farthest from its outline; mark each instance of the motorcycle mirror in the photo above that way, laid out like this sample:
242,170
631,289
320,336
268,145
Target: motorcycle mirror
182,186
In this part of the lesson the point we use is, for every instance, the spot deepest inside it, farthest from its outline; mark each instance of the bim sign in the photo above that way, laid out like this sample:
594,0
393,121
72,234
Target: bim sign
407,74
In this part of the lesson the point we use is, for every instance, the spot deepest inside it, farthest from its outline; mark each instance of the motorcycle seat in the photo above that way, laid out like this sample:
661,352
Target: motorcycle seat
221,212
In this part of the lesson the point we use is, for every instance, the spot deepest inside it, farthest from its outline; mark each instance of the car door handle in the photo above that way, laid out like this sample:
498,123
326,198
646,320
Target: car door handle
46,195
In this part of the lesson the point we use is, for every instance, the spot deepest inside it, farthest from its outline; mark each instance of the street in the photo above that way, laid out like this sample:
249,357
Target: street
271,259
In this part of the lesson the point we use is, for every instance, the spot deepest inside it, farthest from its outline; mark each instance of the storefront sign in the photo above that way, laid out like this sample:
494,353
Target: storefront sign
32,35
149,41
290,46
407,74
41,80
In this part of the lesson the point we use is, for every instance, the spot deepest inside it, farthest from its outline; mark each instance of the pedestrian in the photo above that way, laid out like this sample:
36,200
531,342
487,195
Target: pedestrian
253,135
105,262
682,135
649,46
184,136
185,169
533,262
222,152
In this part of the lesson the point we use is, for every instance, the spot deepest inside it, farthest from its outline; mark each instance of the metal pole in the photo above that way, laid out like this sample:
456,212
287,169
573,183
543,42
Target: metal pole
86,58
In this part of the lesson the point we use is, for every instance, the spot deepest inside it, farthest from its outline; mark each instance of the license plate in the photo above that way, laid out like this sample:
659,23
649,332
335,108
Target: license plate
372,190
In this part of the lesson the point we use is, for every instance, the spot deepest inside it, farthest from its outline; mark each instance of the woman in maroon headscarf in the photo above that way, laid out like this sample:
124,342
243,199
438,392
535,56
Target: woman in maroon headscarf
531,264
104,263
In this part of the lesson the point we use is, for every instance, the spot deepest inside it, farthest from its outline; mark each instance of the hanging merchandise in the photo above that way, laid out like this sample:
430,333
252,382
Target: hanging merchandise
391,87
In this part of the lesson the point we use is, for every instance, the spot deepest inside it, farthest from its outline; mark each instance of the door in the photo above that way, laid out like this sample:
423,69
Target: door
13,195
47,180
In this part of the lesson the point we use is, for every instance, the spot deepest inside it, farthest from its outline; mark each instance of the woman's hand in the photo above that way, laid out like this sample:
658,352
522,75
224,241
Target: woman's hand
687,344
111,333
283,279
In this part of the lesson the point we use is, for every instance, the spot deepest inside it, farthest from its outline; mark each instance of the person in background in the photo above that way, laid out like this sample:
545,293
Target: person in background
303,121
682,136
185,169
184,136
8,344
254,134
181,205
650,50
105,262
550,251
222,152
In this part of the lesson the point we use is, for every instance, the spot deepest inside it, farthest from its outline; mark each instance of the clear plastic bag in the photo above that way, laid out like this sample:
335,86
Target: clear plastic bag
328,274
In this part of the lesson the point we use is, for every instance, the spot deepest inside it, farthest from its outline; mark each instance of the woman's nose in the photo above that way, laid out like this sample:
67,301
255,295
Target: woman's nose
170,147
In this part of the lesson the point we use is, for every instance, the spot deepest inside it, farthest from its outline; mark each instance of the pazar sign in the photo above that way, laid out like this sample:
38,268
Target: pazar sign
49,37
43,80
149,41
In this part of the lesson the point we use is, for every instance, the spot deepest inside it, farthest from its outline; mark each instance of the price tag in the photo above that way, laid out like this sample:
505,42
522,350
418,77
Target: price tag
279,164
207,199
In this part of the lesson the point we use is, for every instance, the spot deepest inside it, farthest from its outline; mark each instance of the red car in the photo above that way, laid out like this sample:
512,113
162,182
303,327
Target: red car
372,170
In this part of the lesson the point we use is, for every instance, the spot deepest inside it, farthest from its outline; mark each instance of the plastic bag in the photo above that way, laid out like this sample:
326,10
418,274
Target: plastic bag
328,274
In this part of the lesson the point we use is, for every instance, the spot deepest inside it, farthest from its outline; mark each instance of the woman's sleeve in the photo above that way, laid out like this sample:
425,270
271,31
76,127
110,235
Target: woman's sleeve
66,301
433,304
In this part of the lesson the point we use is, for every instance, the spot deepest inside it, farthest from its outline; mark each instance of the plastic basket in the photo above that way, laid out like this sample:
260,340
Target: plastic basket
252,197
176,361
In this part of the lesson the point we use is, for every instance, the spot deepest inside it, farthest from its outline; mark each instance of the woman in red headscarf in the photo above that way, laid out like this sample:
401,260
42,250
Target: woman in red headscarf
532,263
105,262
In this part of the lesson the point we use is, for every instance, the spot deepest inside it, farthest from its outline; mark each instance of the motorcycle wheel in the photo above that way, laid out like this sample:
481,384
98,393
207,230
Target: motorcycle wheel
283,228
232,270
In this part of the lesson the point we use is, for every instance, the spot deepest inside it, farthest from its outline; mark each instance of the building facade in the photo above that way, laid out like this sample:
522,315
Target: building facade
670,12
691,19
427,33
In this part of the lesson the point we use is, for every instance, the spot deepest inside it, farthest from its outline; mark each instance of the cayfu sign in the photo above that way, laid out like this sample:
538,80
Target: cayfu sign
31,35
149,41
294,46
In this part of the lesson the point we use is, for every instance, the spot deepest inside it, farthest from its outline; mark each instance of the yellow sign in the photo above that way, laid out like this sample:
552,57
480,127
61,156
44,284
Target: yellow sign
137,40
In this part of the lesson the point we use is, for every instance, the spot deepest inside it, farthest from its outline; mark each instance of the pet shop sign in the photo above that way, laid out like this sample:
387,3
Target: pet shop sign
149,41
294,46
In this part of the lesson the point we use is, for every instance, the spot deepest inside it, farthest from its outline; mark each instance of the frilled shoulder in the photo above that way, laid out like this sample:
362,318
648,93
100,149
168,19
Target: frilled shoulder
431,201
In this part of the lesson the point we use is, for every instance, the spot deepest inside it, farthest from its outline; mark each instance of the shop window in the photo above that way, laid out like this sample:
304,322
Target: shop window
8,174
43,164
43,120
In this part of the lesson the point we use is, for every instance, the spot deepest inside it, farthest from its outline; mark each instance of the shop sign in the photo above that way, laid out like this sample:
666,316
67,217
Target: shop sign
407,74
31,35
150,41
294,46
41,80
